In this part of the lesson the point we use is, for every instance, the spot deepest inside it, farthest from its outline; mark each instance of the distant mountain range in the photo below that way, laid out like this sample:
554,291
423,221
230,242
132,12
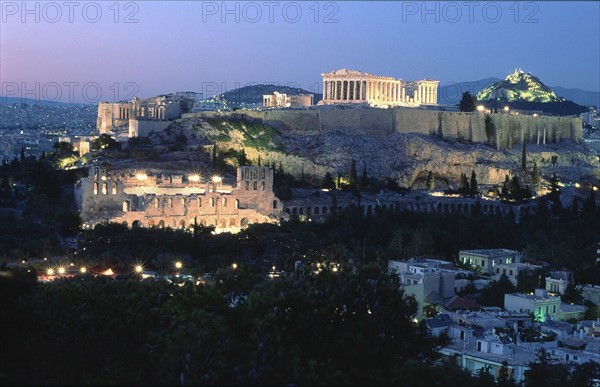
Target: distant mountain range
31,101
448,94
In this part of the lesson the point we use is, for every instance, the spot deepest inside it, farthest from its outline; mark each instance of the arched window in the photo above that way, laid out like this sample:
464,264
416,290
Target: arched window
114,189
156,203
247,185
224,202
212,202
255,186
274,204
95,188
262,185
237,203
104,188
136,223
170,202
182,224
199,202
161,224
126,206
316,210
244,222
232,222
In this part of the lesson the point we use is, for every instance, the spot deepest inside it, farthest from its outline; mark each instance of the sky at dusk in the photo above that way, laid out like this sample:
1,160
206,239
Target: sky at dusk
90,51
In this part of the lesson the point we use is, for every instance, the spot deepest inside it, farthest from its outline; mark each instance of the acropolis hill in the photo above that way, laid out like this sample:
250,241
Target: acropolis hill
506,130
401,143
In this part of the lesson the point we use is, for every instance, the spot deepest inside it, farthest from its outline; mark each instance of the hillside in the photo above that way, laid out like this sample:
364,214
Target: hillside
524,91
405,158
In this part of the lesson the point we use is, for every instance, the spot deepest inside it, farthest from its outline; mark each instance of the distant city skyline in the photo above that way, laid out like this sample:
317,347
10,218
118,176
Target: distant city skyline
108,51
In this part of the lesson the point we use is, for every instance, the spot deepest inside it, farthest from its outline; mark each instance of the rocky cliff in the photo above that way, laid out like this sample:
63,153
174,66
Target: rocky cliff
404,157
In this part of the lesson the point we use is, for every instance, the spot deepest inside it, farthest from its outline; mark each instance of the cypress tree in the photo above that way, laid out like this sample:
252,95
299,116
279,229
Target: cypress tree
474,189
353,176
430,181
524,157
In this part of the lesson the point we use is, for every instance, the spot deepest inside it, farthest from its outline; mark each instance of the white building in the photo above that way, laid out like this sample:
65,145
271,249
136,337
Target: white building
540,303
486,260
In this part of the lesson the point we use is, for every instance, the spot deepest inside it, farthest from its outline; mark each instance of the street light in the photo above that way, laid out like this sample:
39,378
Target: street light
480,108
178,265
506,109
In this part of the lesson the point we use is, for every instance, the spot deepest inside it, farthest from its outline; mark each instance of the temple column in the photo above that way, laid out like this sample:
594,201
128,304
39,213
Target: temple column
324,90
354,90
403,94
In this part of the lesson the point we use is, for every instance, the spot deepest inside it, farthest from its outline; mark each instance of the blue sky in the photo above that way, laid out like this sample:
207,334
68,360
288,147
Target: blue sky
108,50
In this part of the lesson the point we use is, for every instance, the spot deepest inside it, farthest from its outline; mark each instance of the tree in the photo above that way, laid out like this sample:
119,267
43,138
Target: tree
524,157
554,195
473,188
544,373
430,181
463,188
535,177
573,294
353,178
105,142
328,181
467,102
505,379
364,179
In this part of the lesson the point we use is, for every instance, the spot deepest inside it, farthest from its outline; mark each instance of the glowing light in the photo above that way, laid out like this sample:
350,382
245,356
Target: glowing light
83,270
178,265
141,176
506,108
194,178
577,185
216,179
234,266
480,108
595,188
61,270
139,268
50,271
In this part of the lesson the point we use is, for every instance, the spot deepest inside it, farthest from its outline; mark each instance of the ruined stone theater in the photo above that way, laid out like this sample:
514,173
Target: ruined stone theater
177,201
355,87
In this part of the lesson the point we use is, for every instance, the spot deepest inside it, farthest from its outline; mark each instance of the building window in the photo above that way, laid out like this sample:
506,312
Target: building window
156,203
212,202
274,204
114,189
255,186
237,203
95,188
199,202
262,185
104,188
224,202
170,202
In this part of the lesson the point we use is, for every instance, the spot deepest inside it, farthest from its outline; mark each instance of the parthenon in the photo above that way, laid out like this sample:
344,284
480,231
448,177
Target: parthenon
351,86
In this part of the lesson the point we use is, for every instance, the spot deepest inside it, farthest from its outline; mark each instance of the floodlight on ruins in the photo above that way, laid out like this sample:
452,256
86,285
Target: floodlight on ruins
216,179
480,108
141,176
61,270
50,271
194,178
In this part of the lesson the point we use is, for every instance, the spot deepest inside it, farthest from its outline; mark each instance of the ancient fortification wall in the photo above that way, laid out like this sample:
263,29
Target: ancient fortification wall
504,132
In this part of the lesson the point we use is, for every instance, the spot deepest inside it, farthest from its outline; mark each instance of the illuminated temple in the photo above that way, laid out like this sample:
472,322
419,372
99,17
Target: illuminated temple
355,87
